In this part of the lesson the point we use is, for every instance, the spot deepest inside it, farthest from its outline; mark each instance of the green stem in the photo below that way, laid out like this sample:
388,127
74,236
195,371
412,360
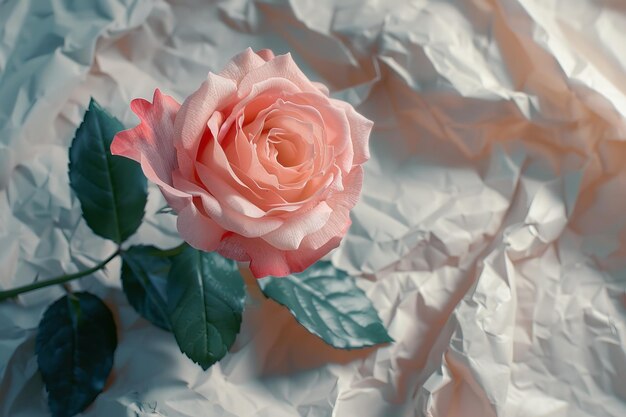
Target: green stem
55,281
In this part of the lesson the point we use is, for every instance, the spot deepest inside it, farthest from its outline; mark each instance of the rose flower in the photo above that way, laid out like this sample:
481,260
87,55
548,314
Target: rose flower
260,164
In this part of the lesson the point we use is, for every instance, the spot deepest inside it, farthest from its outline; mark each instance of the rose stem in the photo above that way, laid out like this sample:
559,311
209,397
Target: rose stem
55,281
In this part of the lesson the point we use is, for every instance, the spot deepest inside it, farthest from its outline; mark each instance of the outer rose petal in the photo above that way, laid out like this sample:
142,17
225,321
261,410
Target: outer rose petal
266,260
281,67
153,136
341,202
245,62
191,121
266,54
151,143
360,129
198,230
289,236
322,88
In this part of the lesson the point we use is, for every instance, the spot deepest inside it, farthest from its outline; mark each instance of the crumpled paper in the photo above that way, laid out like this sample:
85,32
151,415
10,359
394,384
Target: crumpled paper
490,235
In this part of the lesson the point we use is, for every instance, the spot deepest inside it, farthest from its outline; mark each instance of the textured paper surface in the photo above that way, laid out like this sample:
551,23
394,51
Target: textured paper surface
491,233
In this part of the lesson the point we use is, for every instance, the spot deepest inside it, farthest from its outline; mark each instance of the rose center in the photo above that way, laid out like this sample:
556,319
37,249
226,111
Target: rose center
288,148
286,154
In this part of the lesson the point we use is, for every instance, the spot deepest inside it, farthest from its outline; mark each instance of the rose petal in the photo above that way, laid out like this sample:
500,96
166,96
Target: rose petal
198,230
305,256
191,120
245,62
227,219
341,203
227,195
267,260
219,179
175,198
336,127
266,54
151,143
153,137
322,87
298,226
281,67
360,129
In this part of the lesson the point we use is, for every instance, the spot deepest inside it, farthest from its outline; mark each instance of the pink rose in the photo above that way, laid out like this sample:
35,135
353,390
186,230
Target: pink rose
259,163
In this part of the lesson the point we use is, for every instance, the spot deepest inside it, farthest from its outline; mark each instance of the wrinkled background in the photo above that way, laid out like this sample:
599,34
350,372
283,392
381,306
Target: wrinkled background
491,234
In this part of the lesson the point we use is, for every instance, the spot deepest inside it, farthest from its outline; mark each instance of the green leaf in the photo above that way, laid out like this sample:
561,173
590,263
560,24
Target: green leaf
144,279
206,296
328,303
75,347
112,190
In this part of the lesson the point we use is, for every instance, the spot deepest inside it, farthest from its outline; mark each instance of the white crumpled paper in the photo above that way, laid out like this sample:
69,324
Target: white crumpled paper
491,234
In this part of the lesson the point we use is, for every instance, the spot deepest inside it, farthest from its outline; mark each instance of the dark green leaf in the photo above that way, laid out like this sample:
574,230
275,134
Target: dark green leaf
75,347
206,296
328,303
112,190
144,279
